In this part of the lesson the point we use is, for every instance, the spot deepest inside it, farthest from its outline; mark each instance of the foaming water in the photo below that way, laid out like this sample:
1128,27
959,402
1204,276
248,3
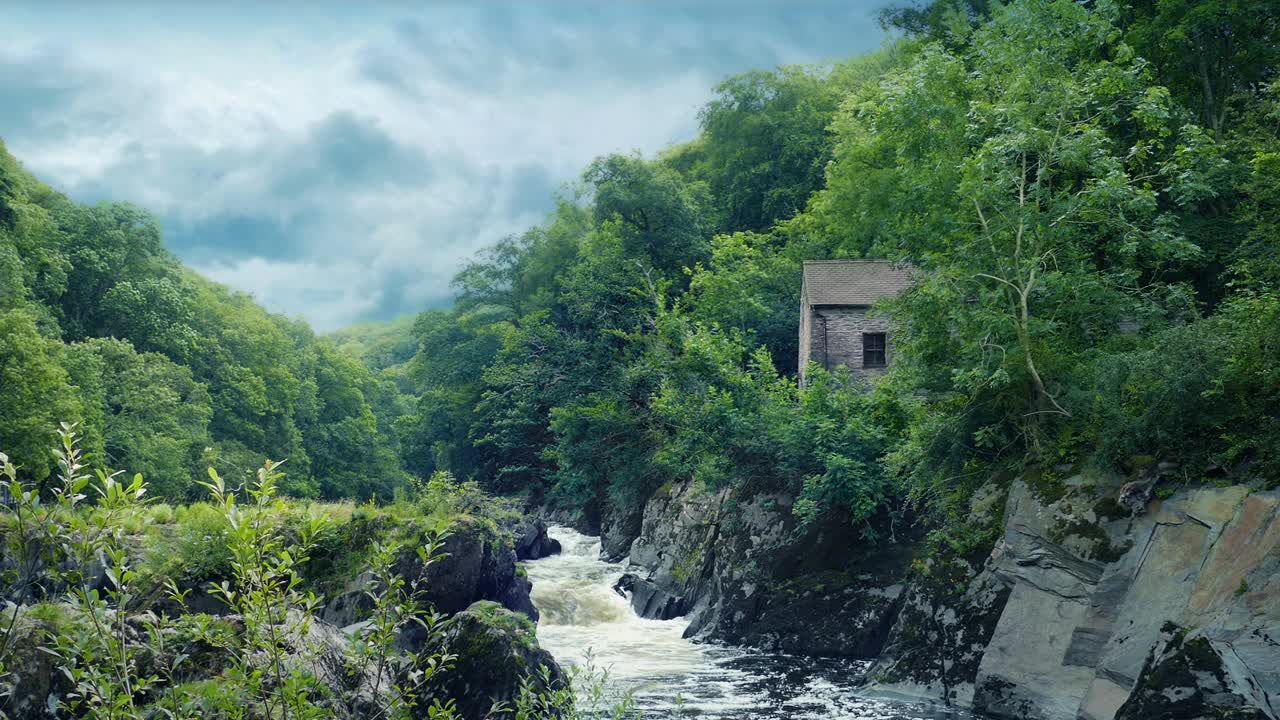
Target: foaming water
583,617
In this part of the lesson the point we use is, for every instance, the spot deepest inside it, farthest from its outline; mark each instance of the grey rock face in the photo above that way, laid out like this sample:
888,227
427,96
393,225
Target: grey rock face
1075,608
1075,636
1190,676
476,567
33,684
939,636
743,576
618,530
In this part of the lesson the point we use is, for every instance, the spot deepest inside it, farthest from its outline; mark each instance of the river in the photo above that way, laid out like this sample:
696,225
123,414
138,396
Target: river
671,677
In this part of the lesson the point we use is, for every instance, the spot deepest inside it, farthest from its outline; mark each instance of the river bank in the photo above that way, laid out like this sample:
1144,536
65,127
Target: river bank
582,619
1081,607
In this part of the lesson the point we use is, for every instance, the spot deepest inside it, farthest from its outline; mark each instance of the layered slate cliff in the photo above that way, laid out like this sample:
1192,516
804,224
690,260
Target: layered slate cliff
1082,611
745,572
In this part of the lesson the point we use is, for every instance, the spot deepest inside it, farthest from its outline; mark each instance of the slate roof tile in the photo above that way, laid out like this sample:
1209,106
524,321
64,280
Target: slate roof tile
853,282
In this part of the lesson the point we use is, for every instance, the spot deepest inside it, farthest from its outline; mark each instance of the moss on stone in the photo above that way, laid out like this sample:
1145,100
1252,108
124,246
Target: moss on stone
53,614
515,625
1099,545
1185,680
1109,508
1046,485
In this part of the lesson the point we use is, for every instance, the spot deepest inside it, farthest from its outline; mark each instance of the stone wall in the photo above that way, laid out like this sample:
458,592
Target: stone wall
832,336
806,332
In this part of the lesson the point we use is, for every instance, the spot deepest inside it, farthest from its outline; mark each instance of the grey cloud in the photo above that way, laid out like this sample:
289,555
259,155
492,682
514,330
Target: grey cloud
488,46
350,150
273,201
531,189
351,182
45,92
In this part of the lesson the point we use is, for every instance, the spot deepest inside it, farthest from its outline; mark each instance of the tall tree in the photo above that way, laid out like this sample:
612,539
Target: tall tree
35,393
1034,178
1215,56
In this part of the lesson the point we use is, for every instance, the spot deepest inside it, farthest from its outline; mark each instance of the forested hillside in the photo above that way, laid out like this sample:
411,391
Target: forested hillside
169,373
1090,192
1089,196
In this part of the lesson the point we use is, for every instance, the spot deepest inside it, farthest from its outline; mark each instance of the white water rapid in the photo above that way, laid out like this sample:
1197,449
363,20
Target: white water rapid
582,615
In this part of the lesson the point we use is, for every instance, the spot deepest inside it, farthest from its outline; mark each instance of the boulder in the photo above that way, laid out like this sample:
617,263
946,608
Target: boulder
625,584
532,542
478,565
496,650
33,684
651,601
647,599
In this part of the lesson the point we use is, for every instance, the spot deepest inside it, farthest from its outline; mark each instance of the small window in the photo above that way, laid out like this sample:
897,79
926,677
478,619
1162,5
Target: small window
873,350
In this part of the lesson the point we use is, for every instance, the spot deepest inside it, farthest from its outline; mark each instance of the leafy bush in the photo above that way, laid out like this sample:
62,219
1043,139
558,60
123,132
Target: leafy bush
264,661
1205,394
732,419
193,548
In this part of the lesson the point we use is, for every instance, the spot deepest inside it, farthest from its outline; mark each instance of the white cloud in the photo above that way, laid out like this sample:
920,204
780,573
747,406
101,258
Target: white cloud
343,166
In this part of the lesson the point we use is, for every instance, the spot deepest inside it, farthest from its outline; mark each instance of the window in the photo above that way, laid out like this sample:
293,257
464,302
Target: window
873,350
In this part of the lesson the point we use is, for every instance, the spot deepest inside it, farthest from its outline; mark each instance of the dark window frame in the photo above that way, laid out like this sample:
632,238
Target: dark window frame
875,350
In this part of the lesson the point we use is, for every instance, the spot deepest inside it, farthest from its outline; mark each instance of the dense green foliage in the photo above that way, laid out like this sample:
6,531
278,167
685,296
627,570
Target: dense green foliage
1095,226
168,372
385,347
114,607
1089,191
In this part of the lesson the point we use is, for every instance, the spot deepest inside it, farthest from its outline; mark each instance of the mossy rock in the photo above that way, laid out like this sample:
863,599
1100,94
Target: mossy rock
32,675
1046,485
1087,539
495,651
1187,679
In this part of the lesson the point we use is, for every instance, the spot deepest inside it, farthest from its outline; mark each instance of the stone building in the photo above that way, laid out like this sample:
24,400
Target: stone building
835,329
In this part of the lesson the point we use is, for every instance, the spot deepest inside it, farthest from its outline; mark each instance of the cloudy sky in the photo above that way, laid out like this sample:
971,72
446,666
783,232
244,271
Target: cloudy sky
340,162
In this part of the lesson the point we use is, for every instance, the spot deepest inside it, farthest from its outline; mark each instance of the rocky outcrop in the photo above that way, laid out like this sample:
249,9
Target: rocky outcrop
676,550
745,573
478,565
532,541
938,637
619,528
495,650
649,600
1069,617
1188,675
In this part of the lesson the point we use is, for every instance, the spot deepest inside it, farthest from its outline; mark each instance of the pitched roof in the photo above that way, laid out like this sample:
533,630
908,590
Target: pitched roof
853,282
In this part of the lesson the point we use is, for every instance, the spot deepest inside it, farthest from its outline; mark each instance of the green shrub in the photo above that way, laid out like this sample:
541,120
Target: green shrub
194,548
1205,394
160,514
